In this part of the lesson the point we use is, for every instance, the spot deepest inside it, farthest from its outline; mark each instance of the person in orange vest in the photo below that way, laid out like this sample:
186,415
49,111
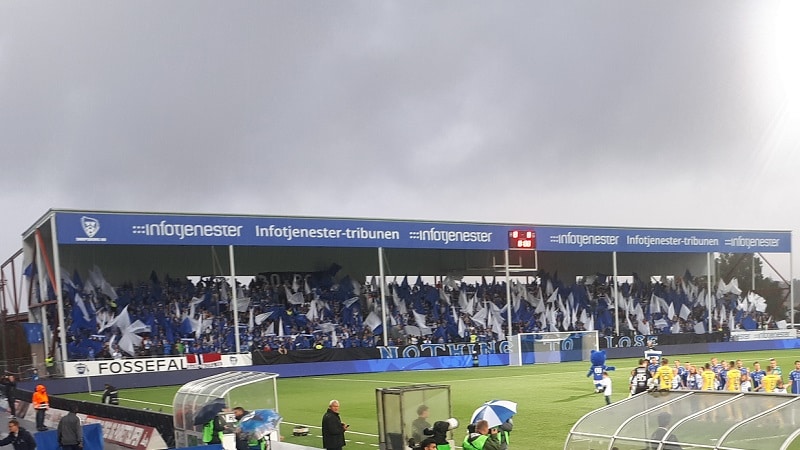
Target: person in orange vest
40,403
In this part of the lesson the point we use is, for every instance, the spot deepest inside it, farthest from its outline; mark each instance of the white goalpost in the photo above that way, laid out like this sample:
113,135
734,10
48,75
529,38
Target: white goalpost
552,347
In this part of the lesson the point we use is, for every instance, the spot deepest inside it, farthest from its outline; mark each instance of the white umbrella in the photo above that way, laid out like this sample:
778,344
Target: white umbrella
496,412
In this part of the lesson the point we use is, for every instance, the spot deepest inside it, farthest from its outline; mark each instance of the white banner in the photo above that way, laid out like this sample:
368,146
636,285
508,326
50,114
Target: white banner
763,335
74,369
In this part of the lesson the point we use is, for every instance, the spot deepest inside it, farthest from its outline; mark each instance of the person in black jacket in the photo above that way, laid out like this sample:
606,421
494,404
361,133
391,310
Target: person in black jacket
332,428
111,395
9,390
18,437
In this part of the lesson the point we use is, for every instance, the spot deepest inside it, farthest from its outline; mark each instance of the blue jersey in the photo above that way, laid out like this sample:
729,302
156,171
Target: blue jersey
723,378
757,376
597,373
683,374
653,367
794,378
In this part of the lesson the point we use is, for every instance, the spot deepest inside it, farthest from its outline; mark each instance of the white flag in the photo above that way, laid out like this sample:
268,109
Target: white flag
262,317
685,311
481,316
242,304
372,321
644,328
462,300
497,328
699,328
444,296
423,328
733,287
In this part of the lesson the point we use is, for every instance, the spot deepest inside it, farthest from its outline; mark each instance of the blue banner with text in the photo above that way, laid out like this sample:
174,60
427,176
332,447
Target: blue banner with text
103,228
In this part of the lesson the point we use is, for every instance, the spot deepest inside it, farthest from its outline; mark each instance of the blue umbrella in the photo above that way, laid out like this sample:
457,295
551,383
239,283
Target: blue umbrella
496,412
260,422
209,411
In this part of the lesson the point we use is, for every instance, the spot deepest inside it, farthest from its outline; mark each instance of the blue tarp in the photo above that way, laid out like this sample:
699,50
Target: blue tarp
92,438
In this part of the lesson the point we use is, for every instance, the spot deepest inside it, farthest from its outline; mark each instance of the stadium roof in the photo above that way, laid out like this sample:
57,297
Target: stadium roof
129,245
692,419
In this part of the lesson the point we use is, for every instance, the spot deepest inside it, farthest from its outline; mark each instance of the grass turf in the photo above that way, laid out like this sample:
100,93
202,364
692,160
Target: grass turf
550,397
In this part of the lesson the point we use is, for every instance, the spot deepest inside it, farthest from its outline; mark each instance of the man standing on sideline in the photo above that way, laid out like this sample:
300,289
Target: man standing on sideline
9,389
419,424
70,433
111,395
333,428
794,379
41,402
18,437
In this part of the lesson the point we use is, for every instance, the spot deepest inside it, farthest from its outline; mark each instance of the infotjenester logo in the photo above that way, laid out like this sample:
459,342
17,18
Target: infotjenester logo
91,227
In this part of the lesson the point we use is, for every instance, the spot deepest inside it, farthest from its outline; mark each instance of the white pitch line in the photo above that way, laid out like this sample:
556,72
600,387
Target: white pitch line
138,401
314,426
448,381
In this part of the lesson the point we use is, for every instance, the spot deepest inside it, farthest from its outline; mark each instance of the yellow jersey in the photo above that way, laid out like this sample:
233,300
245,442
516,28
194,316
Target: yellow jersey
734,380
769,382
664,375
708,380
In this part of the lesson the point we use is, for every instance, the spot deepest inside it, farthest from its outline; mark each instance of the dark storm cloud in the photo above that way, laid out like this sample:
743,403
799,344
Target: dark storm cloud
387,109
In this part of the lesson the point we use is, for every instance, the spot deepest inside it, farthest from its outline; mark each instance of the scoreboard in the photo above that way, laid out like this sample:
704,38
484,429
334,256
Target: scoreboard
522,240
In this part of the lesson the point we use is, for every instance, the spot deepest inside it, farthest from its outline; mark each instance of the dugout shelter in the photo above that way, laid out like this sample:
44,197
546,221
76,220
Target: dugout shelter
691,420
128,246
249,390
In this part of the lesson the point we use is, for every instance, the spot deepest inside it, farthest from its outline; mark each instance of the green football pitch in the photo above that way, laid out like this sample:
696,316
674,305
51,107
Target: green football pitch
550,397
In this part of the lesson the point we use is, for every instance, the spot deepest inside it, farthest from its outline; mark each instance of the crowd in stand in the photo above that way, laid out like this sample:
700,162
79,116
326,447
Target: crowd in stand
171,316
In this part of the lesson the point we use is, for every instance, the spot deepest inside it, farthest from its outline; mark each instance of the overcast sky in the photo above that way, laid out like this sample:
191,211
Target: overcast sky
677,114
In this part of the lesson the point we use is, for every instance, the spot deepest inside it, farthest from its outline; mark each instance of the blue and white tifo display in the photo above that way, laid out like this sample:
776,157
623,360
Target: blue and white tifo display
104,228
552,347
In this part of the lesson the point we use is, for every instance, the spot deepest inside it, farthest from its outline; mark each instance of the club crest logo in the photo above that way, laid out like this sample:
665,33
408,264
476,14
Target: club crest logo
234,360
90,226
81,368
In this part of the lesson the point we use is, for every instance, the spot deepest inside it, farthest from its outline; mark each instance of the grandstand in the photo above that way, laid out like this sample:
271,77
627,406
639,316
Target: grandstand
114,284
